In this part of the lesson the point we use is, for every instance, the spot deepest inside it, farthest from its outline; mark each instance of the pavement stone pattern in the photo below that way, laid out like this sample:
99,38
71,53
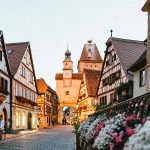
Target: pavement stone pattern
57,138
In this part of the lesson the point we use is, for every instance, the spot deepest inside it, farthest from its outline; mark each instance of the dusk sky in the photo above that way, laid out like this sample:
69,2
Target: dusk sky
50,25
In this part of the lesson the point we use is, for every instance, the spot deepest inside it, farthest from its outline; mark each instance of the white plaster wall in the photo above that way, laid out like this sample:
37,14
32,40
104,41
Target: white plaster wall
137,90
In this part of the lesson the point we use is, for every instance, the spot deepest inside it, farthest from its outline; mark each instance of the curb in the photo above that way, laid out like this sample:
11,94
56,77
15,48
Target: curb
18,135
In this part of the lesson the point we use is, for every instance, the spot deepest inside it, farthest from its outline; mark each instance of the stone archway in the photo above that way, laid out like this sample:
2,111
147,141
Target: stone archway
70,118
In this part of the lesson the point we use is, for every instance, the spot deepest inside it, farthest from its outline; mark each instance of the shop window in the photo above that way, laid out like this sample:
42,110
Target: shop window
18,118
24,121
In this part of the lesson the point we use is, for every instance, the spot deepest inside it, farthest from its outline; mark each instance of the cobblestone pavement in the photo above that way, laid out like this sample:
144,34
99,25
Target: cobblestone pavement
57,138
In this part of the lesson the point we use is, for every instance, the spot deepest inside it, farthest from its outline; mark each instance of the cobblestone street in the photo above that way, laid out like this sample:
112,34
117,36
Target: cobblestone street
57,138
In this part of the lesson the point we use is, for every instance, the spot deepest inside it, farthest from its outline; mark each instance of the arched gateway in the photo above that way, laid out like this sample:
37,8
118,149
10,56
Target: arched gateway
67,88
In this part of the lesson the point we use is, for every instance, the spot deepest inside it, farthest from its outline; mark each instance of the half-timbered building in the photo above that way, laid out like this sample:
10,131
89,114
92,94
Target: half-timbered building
48,103
4,84
87,94
120,54
23,86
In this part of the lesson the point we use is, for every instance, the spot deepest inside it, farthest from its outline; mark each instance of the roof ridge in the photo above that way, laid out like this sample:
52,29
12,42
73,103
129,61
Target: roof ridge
17,43
127,40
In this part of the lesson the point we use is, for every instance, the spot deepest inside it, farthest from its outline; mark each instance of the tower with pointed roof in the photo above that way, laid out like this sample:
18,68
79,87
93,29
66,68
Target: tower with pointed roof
67,87
90,57
67,65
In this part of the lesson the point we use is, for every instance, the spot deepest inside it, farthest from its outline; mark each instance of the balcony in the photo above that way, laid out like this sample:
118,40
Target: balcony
25,100
138,104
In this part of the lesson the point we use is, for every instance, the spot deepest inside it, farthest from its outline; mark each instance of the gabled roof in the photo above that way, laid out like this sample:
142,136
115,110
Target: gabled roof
92,80
140,63
146,6
16,55
43,87
128,51
95,55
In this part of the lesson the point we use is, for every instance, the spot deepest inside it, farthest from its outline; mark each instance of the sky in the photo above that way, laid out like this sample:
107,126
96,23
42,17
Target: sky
50,25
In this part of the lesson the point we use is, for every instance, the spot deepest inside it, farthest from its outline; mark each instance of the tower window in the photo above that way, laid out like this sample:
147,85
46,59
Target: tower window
67,92
66,64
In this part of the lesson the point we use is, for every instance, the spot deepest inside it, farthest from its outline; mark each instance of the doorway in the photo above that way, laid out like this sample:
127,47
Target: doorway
29,121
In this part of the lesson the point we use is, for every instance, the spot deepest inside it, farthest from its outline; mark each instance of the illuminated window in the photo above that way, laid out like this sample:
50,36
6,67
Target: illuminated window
33,119
23,119
18,118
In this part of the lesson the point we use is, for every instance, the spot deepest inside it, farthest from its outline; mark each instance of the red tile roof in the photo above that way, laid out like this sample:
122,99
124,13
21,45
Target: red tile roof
92,79
43,87
16,55
95,55
128,51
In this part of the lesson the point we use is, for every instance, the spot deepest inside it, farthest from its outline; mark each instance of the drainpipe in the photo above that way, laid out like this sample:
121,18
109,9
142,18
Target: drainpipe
10,127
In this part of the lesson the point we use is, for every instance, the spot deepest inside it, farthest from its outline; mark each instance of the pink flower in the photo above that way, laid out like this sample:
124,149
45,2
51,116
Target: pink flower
123,115
129,131
124,124
132,117
143,120
118,139
114,135
111,145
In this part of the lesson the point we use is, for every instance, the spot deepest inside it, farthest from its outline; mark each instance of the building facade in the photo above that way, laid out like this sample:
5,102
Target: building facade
139,75
89,64
23,86
87,95
4,84
67,87
146,8
48,103
120,54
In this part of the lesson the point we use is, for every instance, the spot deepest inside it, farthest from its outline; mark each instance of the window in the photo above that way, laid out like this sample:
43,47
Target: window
18,118
142,78
31,78
23,73
103,100
111,97
1,55
3,86
67,92
23,119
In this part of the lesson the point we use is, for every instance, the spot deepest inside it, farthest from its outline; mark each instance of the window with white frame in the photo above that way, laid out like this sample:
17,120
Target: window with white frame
142,78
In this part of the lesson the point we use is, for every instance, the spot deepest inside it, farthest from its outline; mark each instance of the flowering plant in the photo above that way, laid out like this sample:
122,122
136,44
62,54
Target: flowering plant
141,139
